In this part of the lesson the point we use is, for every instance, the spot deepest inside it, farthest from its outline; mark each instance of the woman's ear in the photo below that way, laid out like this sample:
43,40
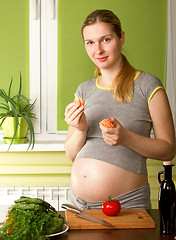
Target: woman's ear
122,39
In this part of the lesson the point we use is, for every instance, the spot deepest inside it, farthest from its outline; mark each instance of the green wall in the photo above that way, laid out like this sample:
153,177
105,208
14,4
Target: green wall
14,43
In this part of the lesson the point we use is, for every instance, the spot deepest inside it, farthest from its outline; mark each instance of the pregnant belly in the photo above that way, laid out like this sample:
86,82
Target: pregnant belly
94,180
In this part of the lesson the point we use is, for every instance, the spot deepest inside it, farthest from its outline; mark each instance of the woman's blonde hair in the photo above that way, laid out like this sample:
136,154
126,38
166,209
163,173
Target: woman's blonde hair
123,82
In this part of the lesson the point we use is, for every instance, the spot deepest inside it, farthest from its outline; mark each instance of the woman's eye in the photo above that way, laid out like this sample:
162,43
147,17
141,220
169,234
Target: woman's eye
106,39
89,43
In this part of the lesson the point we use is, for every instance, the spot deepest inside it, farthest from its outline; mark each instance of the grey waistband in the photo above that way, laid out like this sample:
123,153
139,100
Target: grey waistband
137,198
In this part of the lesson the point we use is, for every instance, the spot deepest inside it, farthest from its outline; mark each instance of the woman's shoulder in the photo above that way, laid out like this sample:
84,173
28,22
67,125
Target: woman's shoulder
146,79
147,84
88,83
146,76
86,87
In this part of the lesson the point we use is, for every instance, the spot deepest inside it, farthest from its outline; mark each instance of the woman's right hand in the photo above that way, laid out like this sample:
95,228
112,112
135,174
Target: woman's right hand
75,117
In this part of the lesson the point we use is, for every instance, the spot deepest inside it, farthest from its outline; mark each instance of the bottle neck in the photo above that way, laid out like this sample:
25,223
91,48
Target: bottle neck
167,172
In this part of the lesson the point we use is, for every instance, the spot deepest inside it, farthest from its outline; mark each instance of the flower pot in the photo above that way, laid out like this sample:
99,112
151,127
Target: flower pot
9,129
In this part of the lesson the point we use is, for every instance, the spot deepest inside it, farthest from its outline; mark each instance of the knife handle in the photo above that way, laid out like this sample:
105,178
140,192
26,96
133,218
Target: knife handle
71,208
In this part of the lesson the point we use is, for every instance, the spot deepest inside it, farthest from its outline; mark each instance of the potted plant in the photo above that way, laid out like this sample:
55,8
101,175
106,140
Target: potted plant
16,117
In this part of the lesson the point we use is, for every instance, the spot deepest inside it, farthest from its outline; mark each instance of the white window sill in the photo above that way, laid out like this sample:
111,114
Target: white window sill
43,146
43,143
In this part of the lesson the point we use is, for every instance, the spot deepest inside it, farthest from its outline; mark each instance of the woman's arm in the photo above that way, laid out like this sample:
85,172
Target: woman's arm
162,147
77,131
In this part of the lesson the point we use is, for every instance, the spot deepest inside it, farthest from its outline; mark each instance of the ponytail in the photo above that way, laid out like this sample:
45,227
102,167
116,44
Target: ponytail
123,82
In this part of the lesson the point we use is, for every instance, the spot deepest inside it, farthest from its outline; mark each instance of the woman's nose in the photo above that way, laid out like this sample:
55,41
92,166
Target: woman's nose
99,48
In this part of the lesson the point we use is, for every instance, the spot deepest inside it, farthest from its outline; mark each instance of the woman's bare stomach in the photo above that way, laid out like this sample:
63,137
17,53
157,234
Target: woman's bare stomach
95,180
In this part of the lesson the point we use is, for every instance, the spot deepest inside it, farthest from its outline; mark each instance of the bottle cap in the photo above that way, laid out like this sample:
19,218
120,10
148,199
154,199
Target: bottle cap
167,163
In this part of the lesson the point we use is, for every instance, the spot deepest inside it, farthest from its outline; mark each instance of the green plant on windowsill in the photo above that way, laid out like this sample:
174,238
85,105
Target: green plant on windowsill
16,117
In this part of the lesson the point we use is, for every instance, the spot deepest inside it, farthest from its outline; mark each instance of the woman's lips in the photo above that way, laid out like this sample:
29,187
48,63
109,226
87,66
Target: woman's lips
102,59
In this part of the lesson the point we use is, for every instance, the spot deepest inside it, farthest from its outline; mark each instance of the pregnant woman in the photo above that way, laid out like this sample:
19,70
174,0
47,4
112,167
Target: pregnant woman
112,161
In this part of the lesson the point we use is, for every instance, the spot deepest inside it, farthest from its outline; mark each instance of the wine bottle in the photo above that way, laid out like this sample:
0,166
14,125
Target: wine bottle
167,200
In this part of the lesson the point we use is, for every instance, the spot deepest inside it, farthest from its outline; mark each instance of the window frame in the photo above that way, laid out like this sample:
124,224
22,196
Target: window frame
43,44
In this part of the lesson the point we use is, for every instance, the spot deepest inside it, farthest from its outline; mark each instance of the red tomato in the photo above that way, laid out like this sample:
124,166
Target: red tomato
111,207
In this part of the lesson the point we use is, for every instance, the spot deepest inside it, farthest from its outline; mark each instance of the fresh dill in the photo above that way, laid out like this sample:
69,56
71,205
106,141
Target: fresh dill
31,219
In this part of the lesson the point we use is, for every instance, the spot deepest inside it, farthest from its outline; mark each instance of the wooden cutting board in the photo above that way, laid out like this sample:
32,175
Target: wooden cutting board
126,219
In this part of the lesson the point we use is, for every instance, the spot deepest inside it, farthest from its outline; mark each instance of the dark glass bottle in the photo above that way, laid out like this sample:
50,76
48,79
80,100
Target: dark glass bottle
167,200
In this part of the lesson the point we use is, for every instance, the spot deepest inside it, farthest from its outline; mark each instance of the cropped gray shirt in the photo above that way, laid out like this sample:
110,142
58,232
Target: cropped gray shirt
134,116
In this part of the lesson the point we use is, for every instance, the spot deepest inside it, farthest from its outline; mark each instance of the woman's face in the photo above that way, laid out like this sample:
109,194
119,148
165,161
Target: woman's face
103,45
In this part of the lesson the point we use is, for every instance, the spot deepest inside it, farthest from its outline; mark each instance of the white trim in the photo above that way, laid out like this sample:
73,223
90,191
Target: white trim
44,143
171,56
52,42
48,69
34,59
55,195
40,146
43,68
43,146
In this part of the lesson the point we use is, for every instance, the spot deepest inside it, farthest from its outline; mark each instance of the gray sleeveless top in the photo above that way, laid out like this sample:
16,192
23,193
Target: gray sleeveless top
134,116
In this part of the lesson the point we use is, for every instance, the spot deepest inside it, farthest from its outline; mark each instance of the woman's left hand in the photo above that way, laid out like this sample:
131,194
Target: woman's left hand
113,136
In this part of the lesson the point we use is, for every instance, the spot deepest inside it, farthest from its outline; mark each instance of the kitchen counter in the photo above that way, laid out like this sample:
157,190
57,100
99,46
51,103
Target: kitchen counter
124,234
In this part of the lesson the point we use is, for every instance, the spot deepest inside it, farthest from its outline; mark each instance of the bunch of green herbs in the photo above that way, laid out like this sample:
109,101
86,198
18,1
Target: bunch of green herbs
31,220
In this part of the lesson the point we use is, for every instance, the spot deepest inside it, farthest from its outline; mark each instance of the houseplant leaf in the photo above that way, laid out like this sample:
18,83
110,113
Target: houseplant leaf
17,106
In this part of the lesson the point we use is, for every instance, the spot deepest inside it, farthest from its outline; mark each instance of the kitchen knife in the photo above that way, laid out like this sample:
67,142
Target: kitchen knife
85,215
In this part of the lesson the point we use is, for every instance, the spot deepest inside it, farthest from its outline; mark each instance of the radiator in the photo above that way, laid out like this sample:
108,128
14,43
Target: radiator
55,195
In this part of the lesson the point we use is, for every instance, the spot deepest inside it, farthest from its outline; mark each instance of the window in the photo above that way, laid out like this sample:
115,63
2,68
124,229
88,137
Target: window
43,64
43,19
